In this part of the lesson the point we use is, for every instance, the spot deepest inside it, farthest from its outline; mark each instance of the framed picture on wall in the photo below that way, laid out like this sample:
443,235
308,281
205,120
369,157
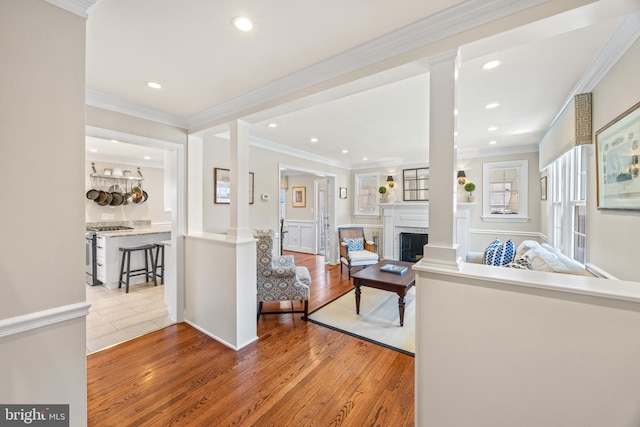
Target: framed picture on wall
343,192
299,197
543,188
617,162
222,186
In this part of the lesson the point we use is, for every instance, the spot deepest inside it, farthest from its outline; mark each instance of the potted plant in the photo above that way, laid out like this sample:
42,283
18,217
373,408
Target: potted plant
382,190
470,188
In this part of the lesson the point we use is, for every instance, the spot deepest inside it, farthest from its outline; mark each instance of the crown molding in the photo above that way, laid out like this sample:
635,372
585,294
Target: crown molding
272,146
455,20
621,40
111,103
77,7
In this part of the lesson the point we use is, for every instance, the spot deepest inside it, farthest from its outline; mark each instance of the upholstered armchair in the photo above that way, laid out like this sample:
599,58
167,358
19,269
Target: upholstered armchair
355,250
279,279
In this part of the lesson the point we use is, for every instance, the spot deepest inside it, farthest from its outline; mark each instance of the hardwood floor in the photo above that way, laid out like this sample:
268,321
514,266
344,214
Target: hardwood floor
297,374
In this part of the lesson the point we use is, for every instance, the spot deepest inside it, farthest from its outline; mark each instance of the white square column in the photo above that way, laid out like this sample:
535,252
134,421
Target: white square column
239,180
442,249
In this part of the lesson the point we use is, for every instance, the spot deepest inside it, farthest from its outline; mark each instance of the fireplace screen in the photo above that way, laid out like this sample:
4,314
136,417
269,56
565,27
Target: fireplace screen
411,246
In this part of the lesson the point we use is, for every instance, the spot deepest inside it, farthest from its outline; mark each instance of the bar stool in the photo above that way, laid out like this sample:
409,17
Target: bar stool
126,257
160,261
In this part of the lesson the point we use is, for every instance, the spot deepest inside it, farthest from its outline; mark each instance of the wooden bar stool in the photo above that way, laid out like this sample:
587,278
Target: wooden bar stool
160,261
148,272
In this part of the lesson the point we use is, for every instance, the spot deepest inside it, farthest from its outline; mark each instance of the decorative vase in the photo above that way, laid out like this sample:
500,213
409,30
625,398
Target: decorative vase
471,198
391,197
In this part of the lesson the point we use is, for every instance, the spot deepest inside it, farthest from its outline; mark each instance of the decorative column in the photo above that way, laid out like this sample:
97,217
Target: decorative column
442,250
239,179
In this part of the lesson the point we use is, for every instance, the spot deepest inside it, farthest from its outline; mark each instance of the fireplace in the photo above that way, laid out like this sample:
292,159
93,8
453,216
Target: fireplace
411,246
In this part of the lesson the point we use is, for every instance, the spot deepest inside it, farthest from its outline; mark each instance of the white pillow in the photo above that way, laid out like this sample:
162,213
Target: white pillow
525,246
574,266
542,260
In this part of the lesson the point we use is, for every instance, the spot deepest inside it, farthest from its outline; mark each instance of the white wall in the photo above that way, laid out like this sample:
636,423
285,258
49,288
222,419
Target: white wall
265,166
612,235
497,353
152,209
42,256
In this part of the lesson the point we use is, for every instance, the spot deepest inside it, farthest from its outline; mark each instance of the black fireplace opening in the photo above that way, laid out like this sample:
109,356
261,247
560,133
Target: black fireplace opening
412,246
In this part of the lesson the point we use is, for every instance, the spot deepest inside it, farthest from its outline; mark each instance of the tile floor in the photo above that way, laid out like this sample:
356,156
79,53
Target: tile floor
116,316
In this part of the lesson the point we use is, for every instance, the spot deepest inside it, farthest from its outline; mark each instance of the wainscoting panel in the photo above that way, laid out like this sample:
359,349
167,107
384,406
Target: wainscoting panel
300,236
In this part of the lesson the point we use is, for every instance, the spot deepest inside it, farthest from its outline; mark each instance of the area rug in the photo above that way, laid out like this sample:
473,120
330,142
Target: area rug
378,321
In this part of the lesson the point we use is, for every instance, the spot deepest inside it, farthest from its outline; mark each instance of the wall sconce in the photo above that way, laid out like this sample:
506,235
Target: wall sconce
462,178
390,181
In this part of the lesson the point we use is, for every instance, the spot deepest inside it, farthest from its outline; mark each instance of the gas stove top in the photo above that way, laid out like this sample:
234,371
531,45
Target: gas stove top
109,228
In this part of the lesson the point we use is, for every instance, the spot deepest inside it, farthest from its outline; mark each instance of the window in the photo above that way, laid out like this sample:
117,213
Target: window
366,200
505,192
568,226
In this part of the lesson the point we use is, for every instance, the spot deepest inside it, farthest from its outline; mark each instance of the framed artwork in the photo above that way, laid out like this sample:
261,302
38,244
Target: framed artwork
222,186
617,165
343,192
543,188
299,197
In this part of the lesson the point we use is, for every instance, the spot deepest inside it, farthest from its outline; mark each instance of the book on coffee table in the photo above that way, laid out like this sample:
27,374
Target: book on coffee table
393,268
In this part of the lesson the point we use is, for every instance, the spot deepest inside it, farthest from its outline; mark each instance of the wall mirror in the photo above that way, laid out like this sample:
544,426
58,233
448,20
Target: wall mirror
415,184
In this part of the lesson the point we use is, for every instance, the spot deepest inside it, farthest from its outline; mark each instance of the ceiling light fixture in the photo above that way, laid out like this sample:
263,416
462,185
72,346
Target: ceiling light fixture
365,158
492,128
93,150
491,64
115,141
242,23
491,105
154,85
345,151
314,140
147,157
273,125
492,142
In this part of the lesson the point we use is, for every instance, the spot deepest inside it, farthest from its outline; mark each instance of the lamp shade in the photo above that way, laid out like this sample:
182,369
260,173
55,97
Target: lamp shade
461,174
389,178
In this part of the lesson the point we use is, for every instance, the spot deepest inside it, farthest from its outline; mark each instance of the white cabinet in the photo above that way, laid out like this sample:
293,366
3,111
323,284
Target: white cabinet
111,256
101,257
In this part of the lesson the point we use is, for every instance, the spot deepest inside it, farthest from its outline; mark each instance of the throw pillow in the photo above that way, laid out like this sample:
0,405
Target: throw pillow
490,250
499,254
523,263
355,244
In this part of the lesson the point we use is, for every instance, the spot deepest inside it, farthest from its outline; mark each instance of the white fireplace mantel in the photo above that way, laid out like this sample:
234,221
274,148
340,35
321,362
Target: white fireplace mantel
414,218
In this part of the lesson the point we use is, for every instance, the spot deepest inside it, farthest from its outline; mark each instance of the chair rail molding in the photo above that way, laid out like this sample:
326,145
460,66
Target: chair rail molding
40,319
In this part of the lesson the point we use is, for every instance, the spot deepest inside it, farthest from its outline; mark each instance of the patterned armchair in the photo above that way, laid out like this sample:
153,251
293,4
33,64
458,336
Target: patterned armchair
278,277
355,250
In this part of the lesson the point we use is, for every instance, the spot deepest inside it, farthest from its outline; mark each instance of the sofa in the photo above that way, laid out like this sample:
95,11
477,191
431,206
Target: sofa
530,255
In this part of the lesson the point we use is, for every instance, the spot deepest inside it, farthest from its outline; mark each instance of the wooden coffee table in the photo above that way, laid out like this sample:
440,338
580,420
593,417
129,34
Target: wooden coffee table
374,278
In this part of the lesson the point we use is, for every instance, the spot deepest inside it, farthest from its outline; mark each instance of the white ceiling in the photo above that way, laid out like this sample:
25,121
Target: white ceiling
201,61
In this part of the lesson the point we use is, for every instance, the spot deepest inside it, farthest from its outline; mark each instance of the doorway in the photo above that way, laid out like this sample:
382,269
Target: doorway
171,201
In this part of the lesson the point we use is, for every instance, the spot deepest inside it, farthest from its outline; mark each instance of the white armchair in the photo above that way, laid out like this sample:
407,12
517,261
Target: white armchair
355,250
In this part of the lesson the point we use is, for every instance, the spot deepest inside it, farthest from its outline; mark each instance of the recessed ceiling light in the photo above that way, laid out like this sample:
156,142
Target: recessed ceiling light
492,142
455,133
314,140
147,157
365,158
491,64
154,85
115,141
273,125
242,23
491,105
492,128
93,150
455,112
345,151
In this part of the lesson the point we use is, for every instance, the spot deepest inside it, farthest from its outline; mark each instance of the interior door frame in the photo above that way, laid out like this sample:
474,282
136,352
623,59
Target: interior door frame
331,254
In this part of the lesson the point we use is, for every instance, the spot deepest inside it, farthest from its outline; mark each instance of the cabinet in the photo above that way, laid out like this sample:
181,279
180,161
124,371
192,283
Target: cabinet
415,184
101,258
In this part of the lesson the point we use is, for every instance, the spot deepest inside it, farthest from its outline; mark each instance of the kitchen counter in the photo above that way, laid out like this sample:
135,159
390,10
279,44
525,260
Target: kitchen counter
136,231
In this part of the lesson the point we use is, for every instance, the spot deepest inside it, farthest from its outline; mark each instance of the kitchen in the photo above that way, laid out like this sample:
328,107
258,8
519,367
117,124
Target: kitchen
125,208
